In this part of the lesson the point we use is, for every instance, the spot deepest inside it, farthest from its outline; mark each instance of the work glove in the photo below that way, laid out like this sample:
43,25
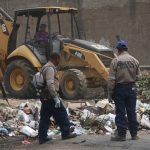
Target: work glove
57,101
111,97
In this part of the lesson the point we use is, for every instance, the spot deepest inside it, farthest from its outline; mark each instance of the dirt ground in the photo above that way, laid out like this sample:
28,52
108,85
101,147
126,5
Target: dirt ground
88,142
84,142
92,94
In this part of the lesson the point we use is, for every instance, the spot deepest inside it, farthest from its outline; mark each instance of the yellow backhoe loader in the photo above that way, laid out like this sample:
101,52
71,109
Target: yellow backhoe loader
83,64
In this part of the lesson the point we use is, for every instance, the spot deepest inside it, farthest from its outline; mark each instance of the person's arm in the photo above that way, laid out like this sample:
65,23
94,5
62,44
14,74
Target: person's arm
112,78
50,79
138,72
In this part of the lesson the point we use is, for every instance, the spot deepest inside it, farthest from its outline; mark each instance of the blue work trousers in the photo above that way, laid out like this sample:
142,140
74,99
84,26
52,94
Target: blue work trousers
125,102
59,114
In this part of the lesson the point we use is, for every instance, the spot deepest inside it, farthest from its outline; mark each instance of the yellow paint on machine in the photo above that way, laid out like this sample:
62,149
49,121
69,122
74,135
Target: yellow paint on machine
91,58
23,51
4,39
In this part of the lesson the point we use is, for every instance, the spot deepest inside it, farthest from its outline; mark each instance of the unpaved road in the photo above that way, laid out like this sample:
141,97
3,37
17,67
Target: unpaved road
92,142
84,142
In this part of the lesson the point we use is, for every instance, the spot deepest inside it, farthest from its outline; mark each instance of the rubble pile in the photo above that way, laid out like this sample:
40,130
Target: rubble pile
91,117
99,118
23,119
96,118
143,114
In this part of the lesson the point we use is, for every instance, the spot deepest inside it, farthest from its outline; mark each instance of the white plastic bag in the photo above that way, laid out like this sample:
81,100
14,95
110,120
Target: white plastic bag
28,131
145,122
22,116
87,114
32,124
109,129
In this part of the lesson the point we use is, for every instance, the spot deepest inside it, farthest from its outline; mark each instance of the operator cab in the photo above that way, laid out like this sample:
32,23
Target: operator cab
57,21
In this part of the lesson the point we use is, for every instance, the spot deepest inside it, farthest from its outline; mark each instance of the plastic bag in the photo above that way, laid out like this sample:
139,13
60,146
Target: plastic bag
28,131
87,114
145,122
22,116
4,131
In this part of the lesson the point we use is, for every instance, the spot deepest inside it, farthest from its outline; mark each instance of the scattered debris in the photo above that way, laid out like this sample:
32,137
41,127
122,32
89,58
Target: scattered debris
78,128
28,131
87,114
53,132
145,122
86,118
26,142
78,142
4,131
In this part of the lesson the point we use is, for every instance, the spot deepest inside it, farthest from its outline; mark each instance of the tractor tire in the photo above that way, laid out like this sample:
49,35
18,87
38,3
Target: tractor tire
73,84
18,79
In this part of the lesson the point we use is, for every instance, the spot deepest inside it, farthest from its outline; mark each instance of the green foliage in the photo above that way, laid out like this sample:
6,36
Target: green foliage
89,123
143,87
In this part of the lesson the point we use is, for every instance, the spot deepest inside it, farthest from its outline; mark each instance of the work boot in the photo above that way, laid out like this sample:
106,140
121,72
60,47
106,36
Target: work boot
135,137
44,140
118,138
72,129
69,136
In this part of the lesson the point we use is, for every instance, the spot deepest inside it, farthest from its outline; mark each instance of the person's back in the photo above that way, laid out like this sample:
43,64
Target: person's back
124,70
50,75
127,68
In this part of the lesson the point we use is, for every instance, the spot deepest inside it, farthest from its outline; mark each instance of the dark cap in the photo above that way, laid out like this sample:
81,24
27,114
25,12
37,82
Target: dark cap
122,45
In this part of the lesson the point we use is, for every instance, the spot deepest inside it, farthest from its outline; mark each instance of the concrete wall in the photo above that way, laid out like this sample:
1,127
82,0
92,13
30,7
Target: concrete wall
102,20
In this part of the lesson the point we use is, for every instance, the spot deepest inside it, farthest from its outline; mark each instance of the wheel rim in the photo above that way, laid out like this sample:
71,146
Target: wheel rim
17,79
70,86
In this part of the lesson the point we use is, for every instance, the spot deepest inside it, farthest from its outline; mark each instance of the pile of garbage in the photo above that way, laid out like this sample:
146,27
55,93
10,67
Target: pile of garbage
95,118
143,114
99,118
22,119
91,117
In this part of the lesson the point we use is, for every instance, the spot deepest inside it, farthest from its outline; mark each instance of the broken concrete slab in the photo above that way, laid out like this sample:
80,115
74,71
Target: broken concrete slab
75,106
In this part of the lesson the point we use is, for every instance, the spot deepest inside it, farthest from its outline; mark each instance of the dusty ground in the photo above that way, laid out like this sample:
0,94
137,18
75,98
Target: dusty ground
88,142
84,142
95,94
